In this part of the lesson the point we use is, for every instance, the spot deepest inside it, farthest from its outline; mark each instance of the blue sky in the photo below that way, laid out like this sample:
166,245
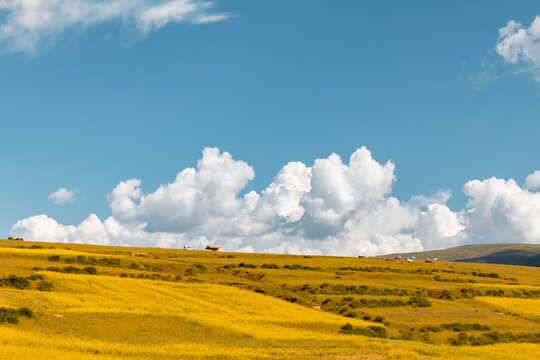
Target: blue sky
420,84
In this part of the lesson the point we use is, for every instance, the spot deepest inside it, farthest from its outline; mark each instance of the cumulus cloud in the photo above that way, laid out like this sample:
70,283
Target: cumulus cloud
62,196
330,207
438,227
532,181
501,211
521,45
24,24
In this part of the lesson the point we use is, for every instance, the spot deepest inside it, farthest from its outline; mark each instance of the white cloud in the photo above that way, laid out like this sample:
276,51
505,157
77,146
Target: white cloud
532,181
330,207
501,211
520,45
197,200
24,24
62,196
440,197
438,227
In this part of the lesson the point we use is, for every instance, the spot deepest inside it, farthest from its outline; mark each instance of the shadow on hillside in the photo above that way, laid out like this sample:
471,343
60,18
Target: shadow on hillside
507,257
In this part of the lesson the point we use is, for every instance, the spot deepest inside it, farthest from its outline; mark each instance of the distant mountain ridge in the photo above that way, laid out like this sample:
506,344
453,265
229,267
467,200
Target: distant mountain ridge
506,254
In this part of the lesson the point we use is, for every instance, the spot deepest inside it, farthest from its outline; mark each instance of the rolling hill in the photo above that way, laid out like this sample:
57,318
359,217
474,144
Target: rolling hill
78,301
509,254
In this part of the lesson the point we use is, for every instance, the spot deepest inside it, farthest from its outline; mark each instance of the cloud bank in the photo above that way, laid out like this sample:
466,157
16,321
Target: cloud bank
331,207
24,24
62,196
521,46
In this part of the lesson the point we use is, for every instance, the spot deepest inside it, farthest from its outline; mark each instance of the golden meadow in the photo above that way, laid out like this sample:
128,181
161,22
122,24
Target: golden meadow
94,302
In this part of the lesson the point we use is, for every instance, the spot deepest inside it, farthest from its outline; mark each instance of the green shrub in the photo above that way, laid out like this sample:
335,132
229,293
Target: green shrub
425,329
15,281
55,258
301,267
270,266
71,270
244,265
90,270
371,331
461,327
45,286
36,277
26,312
11,316
110,262
74,270
481,274
374,303
416,301
495,337
195,269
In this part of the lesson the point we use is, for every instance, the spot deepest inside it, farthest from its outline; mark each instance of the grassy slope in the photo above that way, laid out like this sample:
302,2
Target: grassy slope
509,254
211,307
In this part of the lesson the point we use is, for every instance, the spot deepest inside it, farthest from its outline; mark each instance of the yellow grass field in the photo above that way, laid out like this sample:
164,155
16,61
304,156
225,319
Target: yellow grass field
173,304
522,306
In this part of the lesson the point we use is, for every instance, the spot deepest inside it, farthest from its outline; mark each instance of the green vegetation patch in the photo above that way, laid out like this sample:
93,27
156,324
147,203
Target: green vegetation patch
15,281
90,270
11,316
370,331
494,338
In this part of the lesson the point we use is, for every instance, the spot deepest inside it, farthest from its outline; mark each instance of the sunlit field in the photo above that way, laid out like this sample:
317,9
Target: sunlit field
521,306
89,302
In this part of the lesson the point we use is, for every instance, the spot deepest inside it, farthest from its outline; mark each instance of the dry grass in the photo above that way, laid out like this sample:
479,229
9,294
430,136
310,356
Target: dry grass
214,311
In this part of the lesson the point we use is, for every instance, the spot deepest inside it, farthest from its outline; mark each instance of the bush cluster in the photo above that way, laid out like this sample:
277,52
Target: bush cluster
441,294
375,303
494,337
74,270
15,281
373,269
416,301
371,331
11,316
301,267
290,299
22,283
461,327
456,280
90,260
154,276
270,266
457,327
250,266
481,274
341,289
45,286
394,270
522,293
195,269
